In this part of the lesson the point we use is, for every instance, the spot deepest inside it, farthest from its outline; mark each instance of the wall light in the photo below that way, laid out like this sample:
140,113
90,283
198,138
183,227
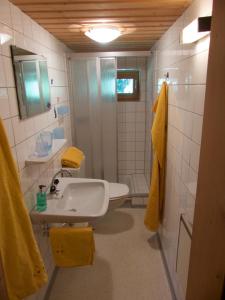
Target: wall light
196,30
103,34
4,38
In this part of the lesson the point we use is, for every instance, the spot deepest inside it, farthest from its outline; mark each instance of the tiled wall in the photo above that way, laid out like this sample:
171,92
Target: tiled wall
187,67
131,123
29,35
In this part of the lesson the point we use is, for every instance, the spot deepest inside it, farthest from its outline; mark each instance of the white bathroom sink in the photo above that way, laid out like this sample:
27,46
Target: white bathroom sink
78,200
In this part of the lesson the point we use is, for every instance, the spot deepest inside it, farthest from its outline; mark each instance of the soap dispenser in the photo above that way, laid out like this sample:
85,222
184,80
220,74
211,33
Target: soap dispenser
41,204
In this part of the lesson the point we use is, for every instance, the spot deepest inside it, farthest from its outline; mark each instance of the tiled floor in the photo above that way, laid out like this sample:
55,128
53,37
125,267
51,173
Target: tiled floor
128,264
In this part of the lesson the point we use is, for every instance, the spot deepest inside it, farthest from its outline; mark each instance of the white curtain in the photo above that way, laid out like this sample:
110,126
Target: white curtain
94,96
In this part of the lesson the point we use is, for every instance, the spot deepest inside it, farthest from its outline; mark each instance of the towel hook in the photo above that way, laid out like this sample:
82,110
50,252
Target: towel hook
167,75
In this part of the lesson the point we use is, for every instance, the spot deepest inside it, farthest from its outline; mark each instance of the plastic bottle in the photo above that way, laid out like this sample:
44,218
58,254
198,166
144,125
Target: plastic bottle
41,203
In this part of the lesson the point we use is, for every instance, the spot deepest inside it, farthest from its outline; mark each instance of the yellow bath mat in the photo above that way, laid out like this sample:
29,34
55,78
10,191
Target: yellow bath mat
72,247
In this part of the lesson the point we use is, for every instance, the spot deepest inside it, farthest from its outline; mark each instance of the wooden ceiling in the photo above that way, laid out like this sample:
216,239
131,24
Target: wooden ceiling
142,21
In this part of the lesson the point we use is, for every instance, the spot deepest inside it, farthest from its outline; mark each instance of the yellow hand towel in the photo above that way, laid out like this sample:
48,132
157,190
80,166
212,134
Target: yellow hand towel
72,158
21,262
155,205
72,247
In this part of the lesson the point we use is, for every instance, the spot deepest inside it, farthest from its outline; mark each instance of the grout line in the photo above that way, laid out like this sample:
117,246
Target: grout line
188,137
49,125
181,108
181,60
166,268
188,163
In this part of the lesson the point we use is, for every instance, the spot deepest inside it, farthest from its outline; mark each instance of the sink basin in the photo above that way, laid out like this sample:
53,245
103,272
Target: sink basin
78,200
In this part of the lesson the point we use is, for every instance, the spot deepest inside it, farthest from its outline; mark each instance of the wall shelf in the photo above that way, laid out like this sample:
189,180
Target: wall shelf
57,145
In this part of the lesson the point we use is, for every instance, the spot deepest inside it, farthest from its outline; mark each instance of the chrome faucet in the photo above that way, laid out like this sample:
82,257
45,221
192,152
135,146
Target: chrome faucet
55,181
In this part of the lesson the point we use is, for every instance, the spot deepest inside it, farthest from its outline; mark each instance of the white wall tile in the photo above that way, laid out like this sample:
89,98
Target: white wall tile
130,155
5,15
19,40
198,99
129,117
130,136
9,130
130,107
121,117
27,25
17,20
130,127
2,74
121,155
139,155
197,128
131,62
140,117
8,69
195,154
139,164
188,123
140,136
121,107
22,154
186,149
139,146
140,127
19,129
140,106
29,127
4,104
13,105
5,48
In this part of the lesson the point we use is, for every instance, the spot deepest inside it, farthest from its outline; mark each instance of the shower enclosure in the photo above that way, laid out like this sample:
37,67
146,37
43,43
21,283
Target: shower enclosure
95,119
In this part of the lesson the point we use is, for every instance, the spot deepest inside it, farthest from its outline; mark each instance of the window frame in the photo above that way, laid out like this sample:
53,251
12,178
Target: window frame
129,74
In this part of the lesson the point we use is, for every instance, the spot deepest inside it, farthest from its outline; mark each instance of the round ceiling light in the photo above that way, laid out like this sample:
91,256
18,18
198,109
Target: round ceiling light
103,34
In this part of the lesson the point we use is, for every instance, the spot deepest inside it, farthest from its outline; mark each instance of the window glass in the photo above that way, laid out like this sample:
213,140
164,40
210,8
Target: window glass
127,85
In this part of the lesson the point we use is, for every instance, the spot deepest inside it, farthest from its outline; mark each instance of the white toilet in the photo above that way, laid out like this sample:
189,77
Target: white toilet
118,193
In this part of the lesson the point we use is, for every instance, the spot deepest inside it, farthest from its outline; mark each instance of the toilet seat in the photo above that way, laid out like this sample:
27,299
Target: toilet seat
117,190
118,193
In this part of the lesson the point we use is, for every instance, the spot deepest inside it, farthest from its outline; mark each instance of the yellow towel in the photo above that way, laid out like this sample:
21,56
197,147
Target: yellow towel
23,268
72,158
72,247
155,205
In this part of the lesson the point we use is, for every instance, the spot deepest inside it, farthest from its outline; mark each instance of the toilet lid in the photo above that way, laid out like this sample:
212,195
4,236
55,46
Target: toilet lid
117,190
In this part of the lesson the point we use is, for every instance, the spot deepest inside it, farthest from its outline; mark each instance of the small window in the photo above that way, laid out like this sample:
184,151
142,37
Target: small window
127,85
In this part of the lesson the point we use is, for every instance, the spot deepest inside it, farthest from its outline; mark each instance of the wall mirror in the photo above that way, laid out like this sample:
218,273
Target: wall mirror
32,82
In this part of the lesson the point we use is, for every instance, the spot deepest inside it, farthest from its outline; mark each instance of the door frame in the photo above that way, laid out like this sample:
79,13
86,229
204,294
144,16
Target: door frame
207,259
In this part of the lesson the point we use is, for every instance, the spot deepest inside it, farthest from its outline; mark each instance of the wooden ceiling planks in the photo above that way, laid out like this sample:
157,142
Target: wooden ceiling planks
142,22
